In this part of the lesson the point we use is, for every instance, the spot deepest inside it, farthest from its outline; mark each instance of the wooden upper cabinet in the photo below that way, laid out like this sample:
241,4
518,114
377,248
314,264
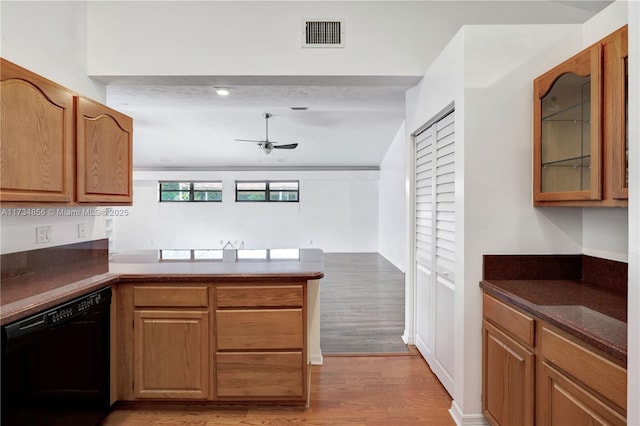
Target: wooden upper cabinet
59,147
567,146
616,114
580,116
36,139
104,154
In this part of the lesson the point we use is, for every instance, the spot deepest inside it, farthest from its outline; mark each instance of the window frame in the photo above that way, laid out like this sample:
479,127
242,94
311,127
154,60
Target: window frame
267,191
191,191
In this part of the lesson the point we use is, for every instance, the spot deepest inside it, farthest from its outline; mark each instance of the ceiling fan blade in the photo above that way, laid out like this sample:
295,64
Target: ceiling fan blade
288,146
248,140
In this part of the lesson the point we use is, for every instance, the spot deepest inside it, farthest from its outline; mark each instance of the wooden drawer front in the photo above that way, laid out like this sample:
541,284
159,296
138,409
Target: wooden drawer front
248,296
509,319
171,296
259,329
600,374
260,374
567,403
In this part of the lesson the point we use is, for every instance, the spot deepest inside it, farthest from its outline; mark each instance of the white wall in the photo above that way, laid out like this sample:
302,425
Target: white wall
337,212
18,233
48,38
392,196
633,330
204,38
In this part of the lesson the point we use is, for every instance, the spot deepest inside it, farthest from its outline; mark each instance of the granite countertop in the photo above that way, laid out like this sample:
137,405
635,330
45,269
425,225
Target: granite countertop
192,264
596,314
29,294
40,279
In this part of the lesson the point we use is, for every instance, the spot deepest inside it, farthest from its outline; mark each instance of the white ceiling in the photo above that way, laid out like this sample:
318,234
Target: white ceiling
180,122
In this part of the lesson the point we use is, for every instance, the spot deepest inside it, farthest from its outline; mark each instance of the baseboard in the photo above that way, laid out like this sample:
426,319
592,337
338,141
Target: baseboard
406,338
316,359
466,419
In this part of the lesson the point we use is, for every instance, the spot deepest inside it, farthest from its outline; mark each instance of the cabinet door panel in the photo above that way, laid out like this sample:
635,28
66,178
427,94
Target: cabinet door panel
595,371
567,121
259,329
564,402
171,354
104,153
37,137
260,374
508,379
615,99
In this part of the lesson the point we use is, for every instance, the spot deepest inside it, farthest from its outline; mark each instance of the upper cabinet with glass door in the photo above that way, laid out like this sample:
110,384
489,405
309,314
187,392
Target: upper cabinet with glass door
579,121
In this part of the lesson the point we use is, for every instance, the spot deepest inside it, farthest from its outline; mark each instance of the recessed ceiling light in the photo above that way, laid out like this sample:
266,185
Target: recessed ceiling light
222,91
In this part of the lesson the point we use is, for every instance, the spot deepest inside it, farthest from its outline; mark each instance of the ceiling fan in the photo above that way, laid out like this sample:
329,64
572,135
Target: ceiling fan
266,145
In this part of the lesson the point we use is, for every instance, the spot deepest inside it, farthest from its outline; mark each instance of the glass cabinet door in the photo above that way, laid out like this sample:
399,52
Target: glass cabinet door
567,111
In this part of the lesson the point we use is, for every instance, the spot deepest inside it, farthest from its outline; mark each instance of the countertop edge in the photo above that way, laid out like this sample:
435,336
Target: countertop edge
30,305
219,277
531,308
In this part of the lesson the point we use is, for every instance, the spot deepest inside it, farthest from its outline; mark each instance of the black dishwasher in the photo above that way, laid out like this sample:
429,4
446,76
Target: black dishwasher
55,365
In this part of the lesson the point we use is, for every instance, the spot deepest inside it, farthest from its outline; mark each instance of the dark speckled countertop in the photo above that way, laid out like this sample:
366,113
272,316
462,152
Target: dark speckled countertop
575,303
36,280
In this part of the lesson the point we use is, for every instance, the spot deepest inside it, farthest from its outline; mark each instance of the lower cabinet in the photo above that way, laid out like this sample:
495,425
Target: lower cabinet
171,354
509,390
564,401
577,386
211,342
171,337
536,374
261,342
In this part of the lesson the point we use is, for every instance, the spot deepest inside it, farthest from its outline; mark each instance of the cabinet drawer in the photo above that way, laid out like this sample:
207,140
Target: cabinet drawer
259,329
250,296
598,373
260,374
509,319
171,296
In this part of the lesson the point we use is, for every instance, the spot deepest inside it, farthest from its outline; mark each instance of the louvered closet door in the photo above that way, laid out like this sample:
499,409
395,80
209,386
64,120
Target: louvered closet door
435,246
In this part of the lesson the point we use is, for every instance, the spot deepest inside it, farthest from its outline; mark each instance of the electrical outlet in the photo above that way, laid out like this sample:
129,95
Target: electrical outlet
82,230
44,234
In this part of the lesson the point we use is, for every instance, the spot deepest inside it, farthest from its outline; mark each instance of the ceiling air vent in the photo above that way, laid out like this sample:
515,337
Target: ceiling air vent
323,33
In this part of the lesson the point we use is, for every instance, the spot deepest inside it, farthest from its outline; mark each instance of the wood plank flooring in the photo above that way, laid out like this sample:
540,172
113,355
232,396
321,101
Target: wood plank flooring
347,391
361,305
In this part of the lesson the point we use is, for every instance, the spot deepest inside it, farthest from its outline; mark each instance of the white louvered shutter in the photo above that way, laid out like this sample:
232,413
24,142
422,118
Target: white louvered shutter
445,223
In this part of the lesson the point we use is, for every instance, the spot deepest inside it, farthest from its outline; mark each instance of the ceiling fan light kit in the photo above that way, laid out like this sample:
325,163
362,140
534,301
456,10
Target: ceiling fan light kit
266,145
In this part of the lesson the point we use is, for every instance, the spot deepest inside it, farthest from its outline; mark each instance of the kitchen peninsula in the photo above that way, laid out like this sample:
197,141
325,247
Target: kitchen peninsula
226,326
215,325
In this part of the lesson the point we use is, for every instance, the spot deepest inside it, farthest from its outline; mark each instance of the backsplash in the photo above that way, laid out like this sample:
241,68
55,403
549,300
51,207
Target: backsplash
27,262
609,274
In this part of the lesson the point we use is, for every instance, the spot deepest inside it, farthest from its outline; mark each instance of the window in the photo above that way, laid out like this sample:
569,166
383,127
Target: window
190,191
268,191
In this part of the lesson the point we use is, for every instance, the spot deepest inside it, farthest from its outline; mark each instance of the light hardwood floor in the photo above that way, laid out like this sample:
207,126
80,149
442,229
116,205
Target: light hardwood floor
397,390
361,305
